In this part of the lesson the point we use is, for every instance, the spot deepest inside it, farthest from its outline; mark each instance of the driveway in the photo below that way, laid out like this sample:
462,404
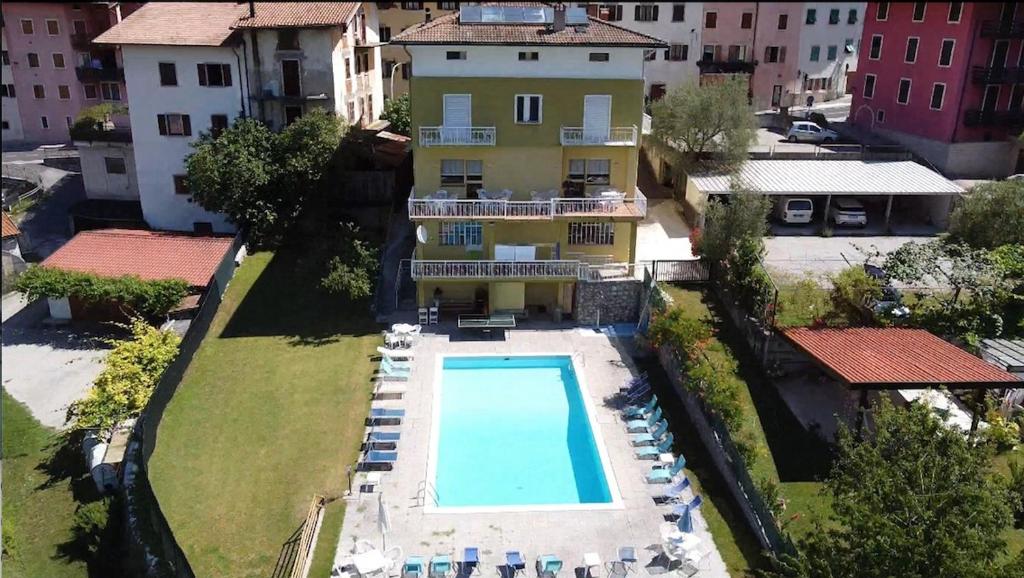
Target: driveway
47,368
797,256
663,234
46,226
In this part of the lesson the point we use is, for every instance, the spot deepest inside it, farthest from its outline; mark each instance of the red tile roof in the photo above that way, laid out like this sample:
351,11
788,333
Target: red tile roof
9,228
177,24
298,14
894,356
448,30
148,254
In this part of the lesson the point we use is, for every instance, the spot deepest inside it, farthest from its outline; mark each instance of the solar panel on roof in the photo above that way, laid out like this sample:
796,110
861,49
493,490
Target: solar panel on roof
492,14
469,14
576,16
534,15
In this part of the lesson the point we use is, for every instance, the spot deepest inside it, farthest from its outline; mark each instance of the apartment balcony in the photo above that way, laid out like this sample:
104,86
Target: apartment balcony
1002,29
103,74
726,66
533,210
1000,75
615,136
445,136
555,270
82,40
994,118
100,134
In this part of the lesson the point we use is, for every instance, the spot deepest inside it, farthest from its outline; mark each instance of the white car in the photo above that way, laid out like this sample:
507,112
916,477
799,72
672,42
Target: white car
807,131
794,211
848,212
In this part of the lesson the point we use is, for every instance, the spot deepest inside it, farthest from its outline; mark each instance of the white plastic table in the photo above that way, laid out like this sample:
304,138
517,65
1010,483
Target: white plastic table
592,561
369,563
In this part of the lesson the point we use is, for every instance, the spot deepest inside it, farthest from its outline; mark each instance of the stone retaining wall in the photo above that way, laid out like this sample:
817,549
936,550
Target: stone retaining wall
604,302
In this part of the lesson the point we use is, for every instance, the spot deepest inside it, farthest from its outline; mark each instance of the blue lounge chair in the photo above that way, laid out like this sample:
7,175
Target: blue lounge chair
638,412
470,561
642,425
674,493
378,460
666,475
389,369
548,566
692,505
652,452
380,415
515,562
440,566
413,567
652,438
638,395
384,436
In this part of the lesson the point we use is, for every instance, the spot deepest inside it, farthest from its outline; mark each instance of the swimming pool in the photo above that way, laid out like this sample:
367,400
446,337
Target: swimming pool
516,433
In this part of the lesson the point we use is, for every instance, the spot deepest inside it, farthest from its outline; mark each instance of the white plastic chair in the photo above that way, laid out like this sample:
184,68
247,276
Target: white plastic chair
433,316
423,318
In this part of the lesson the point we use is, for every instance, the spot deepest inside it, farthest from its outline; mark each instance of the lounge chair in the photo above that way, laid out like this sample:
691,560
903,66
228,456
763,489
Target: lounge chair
652,438
548,566
666,475
413,567
642,425
389,389
387,441
695,503
638,412
378,460
382,415
617,569
639,394
674,494
514,562
440,566
652,452
395,354
390,370
627,555
470,561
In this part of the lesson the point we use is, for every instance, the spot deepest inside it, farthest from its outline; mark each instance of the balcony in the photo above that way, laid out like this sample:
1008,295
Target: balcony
99,134
726,66
82,40
485,270
986,75
996,118
564,207
102,74
615,136
1002,29
445,136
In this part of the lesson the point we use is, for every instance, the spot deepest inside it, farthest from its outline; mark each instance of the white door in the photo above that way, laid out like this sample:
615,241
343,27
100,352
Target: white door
597,117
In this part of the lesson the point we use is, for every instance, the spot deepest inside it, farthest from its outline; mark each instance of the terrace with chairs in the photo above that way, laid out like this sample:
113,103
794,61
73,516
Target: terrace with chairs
537,205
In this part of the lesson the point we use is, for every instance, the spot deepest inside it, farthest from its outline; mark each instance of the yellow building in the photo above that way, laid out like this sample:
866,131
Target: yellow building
525,123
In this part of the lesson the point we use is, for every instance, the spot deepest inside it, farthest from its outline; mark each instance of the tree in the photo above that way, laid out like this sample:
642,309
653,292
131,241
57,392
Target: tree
744,217
992,214
853,293
694,124
916,501
396,111
352,266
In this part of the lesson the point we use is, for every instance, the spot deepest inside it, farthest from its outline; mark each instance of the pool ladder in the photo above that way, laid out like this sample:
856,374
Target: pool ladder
425,490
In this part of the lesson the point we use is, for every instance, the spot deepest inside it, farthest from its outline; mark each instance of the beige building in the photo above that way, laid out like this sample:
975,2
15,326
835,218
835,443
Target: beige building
394,18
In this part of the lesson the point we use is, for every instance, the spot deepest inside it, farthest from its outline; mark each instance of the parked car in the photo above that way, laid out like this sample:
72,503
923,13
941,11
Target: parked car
794,210
846,211
891,299
807,131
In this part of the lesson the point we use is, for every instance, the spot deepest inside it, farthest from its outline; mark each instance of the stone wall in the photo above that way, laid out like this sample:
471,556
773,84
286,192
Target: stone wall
603,302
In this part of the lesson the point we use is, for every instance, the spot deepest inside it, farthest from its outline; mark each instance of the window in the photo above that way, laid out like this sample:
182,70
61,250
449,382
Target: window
168,74
775,54
28,28
218,124
815,53
6,58
710,19
851,16
448,5
946,52
412,5
463,173
708,53
903,94
387,68
783,21
180,185
347,67
875,52
737,53
33,60
833,52
529,56
455,55
214,74
7,90
938,94
955,10
115,165
110,91
288,39
58,59
38,91
406,70
919,9
385,33
911,55
677,52
678,12
52,27
528,108
747,20
646,13
292,113
590,171
174,124
812,16
44,122
591,233
63,92
6,125
1016,98
609,12
880,116
651,54
882,11
869,86
461,234
599,57
833,16
78,26
91,92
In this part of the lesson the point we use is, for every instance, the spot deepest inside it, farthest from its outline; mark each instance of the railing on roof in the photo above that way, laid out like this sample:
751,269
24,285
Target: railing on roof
633,207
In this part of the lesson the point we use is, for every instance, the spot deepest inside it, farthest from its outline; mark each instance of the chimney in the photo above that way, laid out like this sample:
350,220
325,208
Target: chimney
252,9
559,22
427,14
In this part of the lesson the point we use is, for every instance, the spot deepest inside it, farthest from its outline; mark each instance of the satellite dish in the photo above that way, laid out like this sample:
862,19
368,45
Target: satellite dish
421,234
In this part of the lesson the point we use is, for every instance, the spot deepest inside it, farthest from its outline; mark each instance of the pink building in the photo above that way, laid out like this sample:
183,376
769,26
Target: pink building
947,81
727,41
777,50
56,69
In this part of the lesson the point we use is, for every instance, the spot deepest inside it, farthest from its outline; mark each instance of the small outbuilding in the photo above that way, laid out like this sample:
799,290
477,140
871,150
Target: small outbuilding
11,236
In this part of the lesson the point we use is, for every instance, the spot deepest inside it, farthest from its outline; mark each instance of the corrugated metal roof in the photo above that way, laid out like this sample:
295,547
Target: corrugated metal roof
1006,353
895,356
847,177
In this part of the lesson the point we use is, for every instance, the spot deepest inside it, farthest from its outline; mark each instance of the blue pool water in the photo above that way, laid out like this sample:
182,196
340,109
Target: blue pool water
514,431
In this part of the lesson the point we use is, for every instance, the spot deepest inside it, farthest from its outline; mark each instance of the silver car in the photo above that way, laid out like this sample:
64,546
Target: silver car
847,211
807,131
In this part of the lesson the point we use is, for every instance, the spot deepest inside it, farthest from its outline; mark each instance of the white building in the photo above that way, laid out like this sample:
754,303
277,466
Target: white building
829,46
8,99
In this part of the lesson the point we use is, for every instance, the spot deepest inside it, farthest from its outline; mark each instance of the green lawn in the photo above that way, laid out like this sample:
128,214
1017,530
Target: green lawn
270,411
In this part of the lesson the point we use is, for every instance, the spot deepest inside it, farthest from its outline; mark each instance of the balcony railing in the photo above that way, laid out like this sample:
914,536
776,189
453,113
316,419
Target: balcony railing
1000,118
469,269
987,75
726,66
442,136
103,74
1002,29
634,207
615,136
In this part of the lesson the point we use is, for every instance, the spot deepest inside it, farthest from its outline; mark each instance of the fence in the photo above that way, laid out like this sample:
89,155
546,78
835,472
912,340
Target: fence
689,271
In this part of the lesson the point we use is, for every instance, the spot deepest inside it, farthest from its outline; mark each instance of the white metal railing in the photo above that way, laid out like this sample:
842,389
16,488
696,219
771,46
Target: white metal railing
433,136
635,206
470,269
616,136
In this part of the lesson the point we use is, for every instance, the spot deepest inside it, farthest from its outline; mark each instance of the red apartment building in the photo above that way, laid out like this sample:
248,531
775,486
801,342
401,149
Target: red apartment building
946,80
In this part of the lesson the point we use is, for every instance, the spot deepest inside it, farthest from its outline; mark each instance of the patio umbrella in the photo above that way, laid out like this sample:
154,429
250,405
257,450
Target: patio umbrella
383,521
685,523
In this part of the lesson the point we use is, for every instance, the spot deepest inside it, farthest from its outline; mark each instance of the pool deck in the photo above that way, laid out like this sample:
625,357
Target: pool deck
566,534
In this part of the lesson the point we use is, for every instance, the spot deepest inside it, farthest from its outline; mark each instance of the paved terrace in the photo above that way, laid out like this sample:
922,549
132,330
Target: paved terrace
566,534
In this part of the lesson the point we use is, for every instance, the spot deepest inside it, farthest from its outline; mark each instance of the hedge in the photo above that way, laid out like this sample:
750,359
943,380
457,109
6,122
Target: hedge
152,298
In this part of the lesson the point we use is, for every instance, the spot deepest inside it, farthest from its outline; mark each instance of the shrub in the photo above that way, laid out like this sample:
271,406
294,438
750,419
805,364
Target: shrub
152,298
688,336
769,490
396,111
753,286
990,215
351,266
1016,488
92,121
1003,434
853,294
802,304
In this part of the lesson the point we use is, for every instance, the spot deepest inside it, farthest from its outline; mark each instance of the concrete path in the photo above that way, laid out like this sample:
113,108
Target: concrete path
663,234
47,226
820,256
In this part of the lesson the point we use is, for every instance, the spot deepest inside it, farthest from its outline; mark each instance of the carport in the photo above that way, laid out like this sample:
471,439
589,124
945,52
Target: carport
868,180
